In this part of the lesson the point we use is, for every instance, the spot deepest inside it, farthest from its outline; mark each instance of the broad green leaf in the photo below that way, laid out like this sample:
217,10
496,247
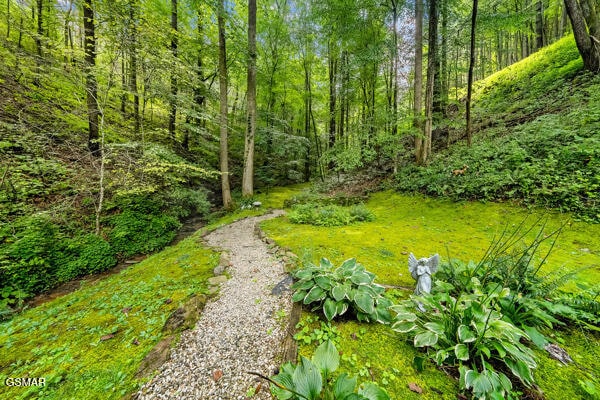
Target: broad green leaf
326,357
348,265
425,339
303,274
324,282
482,384
344,386
325,263
285,380
536,337
465,334
360,278
341,307
338,292
485,350
373,392
299,295
405,316
307,379
303,285
435,327
462,351
364,302
315,294
404,326
520,370
418,363
441,356
329,309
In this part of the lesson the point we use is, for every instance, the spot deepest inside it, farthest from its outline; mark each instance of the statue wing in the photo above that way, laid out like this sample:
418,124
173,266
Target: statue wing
412,265
434,261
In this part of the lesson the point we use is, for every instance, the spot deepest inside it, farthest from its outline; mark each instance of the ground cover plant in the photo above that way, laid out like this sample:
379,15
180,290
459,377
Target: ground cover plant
313,379
426,226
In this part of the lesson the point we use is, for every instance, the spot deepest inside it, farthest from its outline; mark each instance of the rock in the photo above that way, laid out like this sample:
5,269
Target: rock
217,280
256,204
415,388
558,353
185,316
282,286
157,356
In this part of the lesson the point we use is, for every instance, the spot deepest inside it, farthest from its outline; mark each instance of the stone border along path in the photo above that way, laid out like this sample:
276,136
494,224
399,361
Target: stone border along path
240,330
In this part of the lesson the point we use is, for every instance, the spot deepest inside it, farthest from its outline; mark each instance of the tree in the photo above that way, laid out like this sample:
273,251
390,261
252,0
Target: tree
248,177
418,81
174,40
471,66
585,19
431,67
91,86
223,148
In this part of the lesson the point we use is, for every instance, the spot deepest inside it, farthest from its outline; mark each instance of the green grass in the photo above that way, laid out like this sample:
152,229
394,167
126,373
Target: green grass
425,226
61,340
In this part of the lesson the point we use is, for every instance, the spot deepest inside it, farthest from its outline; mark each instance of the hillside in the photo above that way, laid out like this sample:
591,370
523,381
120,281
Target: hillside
536,140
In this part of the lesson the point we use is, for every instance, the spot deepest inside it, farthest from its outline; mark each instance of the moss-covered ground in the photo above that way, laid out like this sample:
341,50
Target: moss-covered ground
90,343
463,230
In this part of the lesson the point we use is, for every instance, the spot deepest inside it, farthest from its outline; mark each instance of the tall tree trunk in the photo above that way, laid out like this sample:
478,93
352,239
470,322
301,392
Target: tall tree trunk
223,148
431,67
471,66
133,58
8,18
38,41
174,42
539,25
395,67
418,83
332,95
91,86
248,176
586,28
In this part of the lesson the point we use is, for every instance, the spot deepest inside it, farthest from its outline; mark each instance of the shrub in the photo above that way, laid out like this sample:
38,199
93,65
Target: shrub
468,332
84,255
337,290
134,232
329,215
182,202
312,379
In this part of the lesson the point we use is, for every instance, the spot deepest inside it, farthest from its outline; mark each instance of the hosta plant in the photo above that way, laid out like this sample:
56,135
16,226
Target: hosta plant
313,380
337,290
468,332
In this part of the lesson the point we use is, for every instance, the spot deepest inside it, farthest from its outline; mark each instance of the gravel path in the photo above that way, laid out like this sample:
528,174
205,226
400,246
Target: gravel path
238,331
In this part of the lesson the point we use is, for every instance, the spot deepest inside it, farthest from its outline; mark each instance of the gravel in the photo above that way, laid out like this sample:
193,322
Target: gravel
238,331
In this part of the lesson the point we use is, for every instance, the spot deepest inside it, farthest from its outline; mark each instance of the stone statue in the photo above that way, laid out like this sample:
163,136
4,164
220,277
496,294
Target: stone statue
421,271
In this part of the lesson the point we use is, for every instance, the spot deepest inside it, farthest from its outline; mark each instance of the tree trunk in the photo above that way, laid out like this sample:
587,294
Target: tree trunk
223,148
133,11
8,18
431,67
586,31
471,66
91,86
332,95
539,25
418,83
248,176
174,40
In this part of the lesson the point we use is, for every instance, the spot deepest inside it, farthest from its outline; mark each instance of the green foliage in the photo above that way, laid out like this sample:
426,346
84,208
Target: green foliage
337,290
467,331
135,232
307,334
86,254
313,380
330,215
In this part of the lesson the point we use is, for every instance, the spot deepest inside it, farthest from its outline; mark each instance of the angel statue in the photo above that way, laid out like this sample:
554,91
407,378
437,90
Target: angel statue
421,271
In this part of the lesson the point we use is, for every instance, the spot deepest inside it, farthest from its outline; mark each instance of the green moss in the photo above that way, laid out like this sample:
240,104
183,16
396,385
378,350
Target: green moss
66,342
425,226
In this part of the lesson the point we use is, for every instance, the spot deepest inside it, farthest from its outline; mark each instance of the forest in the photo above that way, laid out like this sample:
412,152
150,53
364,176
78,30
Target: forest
382,128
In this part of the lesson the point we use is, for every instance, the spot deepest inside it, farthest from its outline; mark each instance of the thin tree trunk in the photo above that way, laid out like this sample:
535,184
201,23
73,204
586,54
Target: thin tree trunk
223,148
431,67
8,18
174,40
248,175
332,95
418,83
133,14
91,85
471,66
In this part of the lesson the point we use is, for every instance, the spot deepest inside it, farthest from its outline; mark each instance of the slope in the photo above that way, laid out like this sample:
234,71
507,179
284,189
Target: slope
537,140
